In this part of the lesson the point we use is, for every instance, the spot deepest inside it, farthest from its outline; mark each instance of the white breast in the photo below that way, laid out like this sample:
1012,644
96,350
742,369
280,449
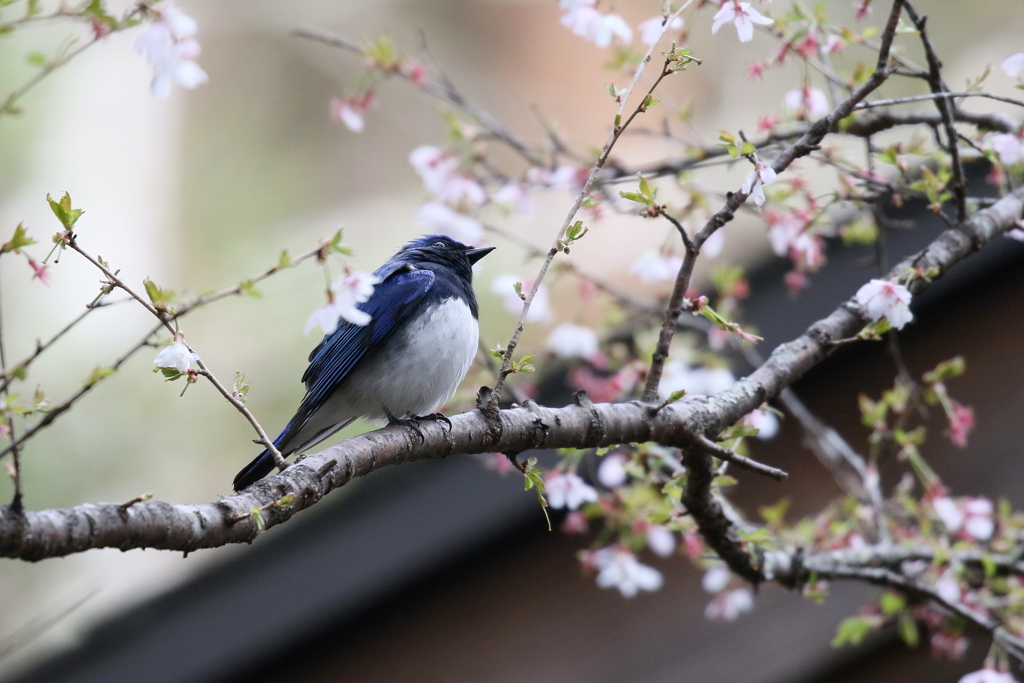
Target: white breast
419,371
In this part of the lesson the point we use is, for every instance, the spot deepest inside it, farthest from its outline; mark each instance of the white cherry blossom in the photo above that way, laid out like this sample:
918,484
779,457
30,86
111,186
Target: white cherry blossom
585,21
807,103
540,309
886,299
612,471
619,568
572,341
716,579
347,292
678,375
755,182
660,540
568,490
713,245
728,606
1009,147
438,217
170,48
651,30
653,266
988,676
176,356
1013,64
743,16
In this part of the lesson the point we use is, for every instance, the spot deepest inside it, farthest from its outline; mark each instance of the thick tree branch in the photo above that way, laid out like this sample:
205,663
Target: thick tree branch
153,524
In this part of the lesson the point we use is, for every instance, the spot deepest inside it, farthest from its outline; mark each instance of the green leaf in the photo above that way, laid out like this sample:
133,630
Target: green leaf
249,289
853,630
98,375
63,211
645,189
891,603
161,298
907,628
257,516
241,388
534,479
36,59
860,231
285,261
18,240
774,514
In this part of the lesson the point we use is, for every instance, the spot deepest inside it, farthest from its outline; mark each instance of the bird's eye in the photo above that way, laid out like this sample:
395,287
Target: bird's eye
440,244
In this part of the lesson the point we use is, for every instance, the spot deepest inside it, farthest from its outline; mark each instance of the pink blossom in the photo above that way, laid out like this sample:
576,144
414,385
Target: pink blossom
439,171
1009,147
743,16
438,217
619,568
807,103
796,282
783,229
1013,64
1016,233
575,523
39,270
350,110
567,489
654,266
952,645
961,422
612,471
171,50
755,182
5,431
694,545
660,540
651,30
833,44
988,676
885,299
563,176
416,72
756,70
573,341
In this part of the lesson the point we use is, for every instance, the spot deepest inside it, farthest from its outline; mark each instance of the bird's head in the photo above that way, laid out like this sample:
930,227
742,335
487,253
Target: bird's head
445,251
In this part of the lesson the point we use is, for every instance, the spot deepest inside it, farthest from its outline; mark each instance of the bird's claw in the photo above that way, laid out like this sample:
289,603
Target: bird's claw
435,417
413,422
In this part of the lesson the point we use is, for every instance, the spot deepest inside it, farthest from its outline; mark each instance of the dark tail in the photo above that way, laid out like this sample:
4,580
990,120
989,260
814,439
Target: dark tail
254,471
264,462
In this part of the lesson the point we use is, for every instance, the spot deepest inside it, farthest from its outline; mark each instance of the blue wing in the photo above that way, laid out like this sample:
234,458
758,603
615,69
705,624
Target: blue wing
330,363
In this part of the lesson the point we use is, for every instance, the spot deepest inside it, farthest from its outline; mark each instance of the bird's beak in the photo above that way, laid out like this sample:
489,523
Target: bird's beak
475,255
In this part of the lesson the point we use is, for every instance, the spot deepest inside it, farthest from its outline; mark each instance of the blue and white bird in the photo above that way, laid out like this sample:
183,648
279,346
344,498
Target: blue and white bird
404,364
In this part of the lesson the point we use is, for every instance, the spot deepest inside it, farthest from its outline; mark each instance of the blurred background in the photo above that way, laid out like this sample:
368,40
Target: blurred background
439,571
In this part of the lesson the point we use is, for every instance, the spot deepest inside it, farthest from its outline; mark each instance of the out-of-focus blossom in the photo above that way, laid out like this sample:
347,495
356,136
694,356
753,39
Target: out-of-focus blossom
573,341
951,645
653,266
948,588
568,490
441,218
728,606
39,270
716,579
1009,147
540,309
175,356
961,422
171,50
988,676
350,110
678,375
1013,64
808,251
439,171
612,471
651,30
660,540
563,176
347,293
415,71
713,245
755,182
619,568
886,299
743,16
764,421
973,515
575,523
833,44
586,22
1016,233
513,196
807,103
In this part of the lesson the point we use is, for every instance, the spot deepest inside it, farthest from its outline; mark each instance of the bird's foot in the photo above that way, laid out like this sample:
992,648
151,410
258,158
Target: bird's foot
412,423
435,417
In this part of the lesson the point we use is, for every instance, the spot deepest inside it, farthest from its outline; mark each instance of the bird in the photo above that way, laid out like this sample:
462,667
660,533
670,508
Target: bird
400,367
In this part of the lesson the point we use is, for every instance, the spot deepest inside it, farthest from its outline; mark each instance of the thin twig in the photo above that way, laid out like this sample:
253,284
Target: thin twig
742,461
